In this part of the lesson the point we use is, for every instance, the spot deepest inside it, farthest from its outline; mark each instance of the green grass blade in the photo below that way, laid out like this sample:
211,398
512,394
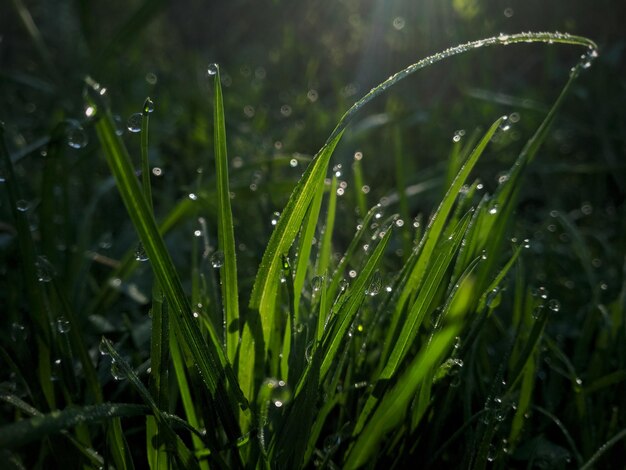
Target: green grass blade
170,438
361,200
323,261
35,429
346,314
38,311
352,249
225,226
305,246
393,406
207,356
267,281
437,223
442,259
118,445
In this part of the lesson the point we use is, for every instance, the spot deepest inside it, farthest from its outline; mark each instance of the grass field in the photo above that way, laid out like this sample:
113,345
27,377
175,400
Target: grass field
219,266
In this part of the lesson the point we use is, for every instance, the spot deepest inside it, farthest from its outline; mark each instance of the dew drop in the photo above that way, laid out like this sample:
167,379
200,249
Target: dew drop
117,372
193,196
90,111
399,23
505,124
212,70
22,205
554,305
102,347
134,123
18,332
148,106
458,135
280,392
352,273
337,170
45,270
217,259
358,156
293,163
63,325
140,253
375,284
275,217
316,283
119,125
76,137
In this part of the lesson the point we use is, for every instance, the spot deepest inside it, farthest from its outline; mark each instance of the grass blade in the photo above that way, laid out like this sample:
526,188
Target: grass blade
207,356
225,226
34,429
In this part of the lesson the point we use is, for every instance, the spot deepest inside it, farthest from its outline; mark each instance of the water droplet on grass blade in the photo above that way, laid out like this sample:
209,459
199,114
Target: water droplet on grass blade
275,217
102,347
148,106
119,125
554,305
63,325
217,259
18,332
280,393
117,371
90,111
76,137
45,270
375,284
212,70
316,283
140,253
22,205
134,123
505,124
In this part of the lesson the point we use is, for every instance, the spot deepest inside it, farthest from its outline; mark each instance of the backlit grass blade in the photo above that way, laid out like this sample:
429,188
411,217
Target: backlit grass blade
323,261
355,243
441,262
206,355
305,246
346,314
264,290
225,226
438,220
267,280
393,406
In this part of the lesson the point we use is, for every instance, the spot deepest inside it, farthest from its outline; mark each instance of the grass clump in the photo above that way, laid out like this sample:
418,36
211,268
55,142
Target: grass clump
359,360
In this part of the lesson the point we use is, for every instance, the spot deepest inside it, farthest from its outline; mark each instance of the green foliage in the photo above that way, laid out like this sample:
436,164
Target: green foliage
357,348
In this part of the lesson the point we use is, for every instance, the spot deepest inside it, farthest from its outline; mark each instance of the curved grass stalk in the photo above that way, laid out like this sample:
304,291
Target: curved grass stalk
266,283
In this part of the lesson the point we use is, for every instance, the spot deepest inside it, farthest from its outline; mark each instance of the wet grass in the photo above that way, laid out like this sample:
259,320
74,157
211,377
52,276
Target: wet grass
411,335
